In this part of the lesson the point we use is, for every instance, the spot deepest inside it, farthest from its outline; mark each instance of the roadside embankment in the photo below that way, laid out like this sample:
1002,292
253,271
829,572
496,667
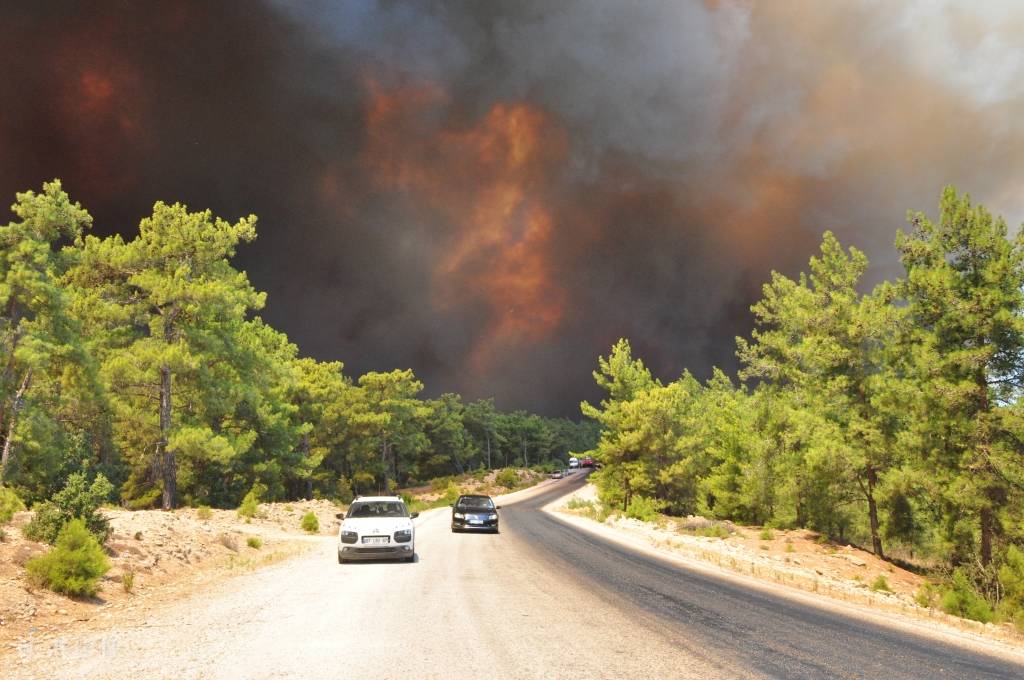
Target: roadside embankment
797,560
154,555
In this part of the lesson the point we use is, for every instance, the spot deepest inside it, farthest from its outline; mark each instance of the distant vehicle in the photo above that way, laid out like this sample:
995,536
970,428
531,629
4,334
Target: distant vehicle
587,462
377,528
475,513
557,474
574,463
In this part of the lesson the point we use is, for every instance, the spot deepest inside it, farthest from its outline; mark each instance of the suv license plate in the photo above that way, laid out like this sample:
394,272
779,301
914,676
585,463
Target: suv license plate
375,540
476,521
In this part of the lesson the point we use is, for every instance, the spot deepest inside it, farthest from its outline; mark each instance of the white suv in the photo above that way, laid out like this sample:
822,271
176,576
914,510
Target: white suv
377,528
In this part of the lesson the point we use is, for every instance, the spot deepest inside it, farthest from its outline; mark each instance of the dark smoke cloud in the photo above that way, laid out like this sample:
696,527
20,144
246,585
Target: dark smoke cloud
492,193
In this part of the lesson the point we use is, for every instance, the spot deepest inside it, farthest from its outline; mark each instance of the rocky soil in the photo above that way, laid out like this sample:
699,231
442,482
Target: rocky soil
162,554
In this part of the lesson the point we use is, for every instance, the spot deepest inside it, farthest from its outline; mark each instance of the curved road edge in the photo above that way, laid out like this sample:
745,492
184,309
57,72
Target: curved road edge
932,629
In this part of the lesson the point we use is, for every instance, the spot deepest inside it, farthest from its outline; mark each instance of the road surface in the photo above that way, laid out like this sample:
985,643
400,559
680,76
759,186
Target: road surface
539,600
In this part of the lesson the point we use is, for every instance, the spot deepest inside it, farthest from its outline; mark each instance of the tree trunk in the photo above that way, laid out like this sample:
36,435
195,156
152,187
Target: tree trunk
387,467
168,469
488,436
987,530
876,539
19,399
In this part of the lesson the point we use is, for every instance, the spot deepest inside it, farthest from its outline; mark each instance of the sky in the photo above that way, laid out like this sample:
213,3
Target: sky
492,193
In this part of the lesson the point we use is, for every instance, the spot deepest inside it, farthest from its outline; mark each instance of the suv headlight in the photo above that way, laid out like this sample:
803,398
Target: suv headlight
459,515
493,515
403,535
349,536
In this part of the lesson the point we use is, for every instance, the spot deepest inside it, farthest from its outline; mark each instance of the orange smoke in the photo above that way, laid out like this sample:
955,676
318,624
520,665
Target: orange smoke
487,180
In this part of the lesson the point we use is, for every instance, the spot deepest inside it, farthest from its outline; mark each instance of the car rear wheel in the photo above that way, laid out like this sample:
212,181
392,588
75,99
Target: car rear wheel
410,558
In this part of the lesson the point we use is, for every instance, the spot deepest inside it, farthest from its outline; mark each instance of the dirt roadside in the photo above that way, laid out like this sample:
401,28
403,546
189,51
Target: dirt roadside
165,555
793,563
171,556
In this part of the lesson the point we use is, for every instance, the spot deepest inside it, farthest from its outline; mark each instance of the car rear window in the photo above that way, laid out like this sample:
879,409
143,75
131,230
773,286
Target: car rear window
378,509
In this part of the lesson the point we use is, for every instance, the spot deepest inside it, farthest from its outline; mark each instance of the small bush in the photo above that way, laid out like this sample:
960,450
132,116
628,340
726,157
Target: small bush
251,503
643,508
203,512
254,542
75,564
439,484
128,580
451,494
579,504
9,504
767,534
310,524
961,599
507,478
713,531
927,595
881,584
789,547
76,500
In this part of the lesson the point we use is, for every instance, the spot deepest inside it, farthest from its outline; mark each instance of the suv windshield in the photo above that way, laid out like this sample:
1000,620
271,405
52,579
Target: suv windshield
477,503
377,509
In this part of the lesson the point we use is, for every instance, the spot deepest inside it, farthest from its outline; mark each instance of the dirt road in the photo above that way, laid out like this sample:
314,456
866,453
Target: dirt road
540,600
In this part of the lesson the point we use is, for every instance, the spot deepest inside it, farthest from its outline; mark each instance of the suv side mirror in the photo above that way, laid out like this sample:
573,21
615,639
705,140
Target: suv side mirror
414,515
339,515
497,507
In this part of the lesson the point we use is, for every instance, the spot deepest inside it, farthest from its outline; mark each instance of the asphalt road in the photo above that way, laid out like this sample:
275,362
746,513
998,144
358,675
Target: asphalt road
539,600
761,634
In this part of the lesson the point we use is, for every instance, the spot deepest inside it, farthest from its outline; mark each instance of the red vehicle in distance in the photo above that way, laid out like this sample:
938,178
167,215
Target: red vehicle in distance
587,462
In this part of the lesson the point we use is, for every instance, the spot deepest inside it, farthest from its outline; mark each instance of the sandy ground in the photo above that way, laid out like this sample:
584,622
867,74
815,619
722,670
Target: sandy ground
793,559
169,554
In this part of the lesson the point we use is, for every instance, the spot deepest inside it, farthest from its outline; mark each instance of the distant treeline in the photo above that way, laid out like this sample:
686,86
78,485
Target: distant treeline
890,418
144,361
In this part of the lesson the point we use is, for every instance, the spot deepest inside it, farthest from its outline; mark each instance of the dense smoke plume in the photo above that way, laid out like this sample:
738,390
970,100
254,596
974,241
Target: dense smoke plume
492,193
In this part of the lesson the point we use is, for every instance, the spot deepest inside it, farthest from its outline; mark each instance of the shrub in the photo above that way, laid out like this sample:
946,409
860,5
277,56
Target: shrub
9,504
767,534
881,584
927,595
128,580
961,599
254,542
643,508
713,531
75,564
439,484
203,512
1011,579
507,478
251,503
579,504
75,501
310,523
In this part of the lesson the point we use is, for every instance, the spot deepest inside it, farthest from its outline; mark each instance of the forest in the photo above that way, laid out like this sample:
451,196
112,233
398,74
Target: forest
886,416
144,364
